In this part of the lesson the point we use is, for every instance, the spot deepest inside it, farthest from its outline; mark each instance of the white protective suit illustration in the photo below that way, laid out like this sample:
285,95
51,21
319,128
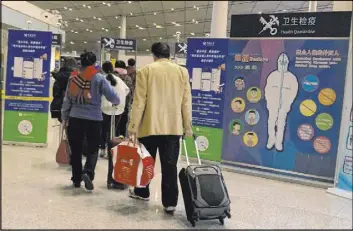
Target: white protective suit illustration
280,92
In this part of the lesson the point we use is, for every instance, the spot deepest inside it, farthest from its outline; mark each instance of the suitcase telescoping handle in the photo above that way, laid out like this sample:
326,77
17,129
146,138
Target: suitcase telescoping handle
196,147
112,123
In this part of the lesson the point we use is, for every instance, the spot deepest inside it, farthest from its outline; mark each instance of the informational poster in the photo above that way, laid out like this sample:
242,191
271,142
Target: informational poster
284,91
27,86
206,65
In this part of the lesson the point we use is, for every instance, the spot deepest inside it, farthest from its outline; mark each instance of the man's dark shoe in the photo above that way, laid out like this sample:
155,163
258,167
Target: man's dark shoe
77,185
88,182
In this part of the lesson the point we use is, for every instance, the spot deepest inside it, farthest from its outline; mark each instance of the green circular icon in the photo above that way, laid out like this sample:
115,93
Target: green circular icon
235,127
324,121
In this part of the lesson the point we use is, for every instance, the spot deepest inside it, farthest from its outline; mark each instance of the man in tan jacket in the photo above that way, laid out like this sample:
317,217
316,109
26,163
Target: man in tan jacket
161,114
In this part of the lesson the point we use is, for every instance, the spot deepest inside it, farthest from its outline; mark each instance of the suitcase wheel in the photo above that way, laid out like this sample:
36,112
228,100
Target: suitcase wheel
228,214
193,223
221,220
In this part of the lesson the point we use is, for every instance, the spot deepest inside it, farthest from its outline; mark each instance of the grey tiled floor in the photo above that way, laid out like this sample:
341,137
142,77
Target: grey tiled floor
36,193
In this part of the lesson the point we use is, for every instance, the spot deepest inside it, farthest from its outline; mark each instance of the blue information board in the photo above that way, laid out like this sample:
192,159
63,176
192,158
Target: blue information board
27,86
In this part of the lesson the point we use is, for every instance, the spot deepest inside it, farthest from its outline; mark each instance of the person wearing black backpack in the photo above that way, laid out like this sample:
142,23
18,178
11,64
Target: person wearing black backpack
59,88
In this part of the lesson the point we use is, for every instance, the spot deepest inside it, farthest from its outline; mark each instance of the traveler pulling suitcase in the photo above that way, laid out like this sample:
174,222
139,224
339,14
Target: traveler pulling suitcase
114,141
204,191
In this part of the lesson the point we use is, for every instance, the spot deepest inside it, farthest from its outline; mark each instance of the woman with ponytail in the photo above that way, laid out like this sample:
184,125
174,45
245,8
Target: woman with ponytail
107,107
82,115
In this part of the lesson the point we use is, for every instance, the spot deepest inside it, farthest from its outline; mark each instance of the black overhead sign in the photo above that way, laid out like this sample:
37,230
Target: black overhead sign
309,24
118,44
56,39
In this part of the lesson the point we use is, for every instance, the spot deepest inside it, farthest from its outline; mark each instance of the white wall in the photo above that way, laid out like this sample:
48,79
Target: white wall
31,10
16,14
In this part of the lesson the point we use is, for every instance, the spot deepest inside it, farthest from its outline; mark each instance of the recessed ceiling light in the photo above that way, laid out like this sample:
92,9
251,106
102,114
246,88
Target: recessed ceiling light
160,38
77,19
116,17
76,32
193,20
192,33
88,7
159,26
147,49
194,6
94,17
99,19
144,39
87,30
81,20
72,42
91,31
65,8
174,23
154,24
141,28
259,12
137,25
129,1
84,42
109,4
84,5
106,30
98,41
70,9
103,28
72,31
119,27
104,3
155,13
130,13
197,8
196,22
177,24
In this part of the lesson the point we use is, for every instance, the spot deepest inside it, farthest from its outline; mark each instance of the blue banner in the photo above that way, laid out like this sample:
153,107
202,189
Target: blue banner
27,85
283,103
206,65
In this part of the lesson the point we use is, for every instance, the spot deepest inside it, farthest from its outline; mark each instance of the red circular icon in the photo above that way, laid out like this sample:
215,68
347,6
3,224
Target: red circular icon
322,144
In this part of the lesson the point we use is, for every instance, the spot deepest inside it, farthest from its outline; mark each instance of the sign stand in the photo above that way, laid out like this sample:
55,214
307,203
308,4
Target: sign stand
116,44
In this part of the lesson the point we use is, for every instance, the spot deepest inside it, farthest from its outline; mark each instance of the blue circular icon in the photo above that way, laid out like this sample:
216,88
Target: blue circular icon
310,83
252,117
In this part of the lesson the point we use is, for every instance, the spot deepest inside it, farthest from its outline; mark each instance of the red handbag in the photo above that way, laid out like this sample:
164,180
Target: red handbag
63,153
133,165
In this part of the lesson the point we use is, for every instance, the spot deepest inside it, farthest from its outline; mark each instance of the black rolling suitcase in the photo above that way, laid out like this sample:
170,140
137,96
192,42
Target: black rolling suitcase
114,141
204,191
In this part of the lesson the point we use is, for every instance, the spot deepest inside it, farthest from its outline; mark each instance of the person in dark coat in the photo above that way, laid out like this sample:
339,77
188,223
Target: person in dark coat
59,88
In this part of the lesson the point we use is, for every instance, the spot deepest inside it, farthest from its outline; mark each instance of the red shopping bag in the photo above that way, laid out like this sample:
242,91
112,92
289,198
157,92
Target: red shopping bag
133,165
63,153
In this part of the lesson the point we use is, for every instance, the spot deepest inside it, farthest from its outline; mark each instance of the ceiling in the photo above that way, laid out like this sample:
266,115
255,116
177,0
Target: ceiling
86,19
